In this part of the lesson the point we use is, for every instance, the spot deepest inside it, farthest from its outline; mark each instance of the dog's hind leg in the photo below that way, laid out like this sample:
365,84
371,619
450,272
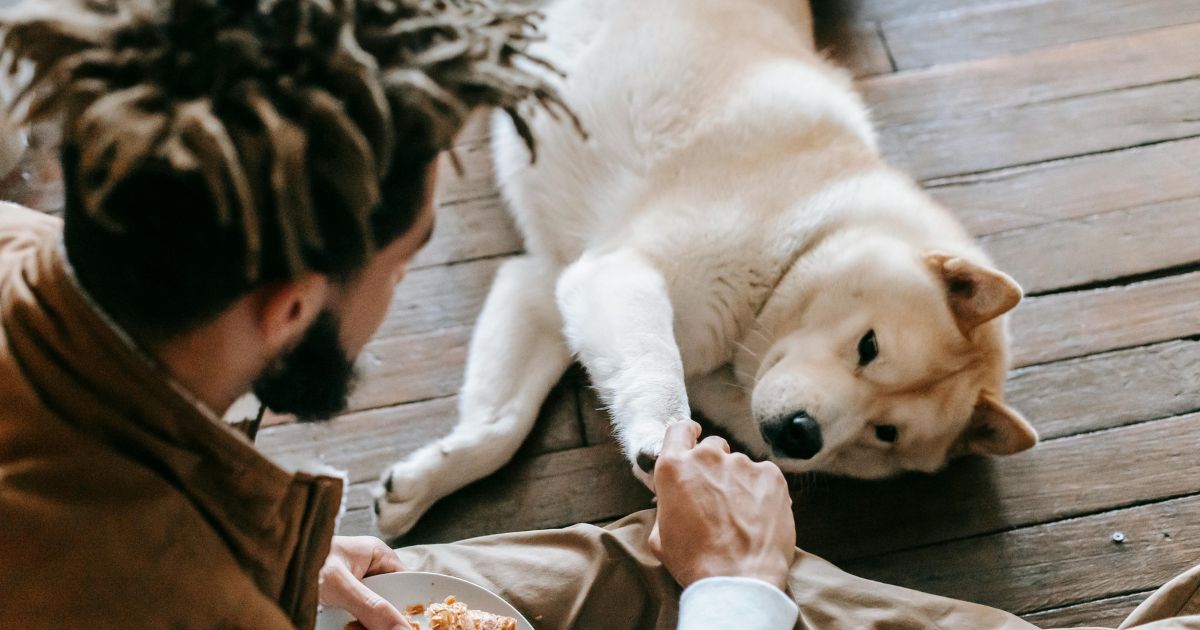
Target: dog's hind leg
516,356
619,320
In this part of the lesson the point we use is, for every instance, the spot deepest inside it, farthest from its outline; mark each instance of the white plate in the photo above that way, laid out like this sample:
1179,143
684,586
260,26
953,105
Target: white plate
405,589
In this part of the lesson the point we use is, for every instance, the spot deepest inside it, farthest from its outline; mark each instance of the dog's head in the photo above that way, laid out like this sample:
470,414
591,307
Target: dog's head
895,361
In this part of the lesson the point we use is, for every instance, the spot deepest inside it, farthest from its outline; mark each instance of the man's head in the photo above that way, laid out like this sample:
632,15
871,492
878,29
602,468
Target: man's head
246,180
313,378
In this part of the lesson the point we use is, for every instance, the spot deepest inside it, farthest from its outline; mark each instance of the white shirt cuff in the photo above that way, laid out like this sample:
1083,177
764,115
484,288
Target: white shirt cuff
736,602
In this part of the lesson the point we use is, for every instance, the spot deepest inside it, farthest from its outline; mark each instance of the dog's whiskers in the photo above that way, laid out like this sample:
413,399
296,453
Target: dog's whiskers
743,375
738,386
746,349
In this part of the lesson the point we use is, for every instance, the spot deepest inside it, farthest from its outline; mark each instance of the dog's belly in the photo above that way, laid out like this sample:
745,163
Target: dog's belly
657,84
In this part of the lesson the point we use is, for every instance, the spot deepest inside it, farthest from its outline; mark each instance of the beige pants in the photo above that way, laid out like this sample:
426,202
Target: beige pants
586,577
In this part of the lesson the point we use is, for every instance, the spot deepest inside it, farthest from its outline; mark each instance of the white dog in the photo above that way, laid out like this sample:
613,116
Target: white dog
727,240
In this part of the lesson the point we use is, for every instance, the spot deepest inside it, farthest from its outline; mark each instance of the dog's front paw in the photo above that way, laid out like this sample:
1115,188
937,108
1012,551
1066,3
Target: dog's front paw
643,444
404,494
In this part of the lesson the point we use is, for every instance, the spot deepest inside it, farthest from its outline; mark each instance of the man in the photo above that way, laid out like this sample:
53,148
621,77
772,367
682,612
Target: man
245,183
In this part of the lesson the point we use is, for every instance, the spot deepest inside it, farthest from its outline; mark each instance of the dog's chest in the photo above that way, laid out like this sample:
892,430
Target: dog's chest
715,302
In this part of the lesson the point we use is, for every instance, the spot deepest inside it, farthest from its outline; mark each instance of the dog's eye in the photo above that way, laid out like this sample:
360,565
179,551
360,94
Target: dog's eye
886,433
868,348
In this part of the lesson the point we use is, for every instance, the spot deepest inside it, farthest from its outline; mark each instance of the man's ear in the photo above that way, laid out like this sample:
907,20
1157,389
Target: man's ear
996,429
976,294
287,309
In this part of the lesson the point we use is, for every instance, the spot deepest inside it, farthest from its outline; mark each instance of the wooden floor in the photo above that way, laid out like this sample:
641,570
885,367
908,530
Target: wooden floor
1066,135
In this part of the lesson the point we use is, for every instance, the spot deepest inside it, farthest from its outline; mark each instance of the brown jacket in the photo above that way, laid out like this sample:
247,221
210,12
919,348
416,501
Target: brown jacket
124,504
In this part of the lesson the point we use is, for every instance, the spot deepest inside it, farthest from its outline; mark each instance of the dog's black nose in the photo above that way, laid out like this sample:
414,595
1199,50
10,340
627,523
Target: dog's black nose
798,436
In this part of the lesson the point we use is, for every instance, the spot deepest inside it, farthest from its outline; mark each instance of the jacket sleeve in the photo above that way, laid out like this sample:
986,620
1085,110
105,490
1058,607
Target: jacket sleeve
731,602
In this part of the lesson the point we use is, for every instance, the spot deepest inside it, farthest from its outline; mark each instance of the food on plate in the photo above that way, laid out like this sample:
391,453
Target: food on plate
451,615
454,615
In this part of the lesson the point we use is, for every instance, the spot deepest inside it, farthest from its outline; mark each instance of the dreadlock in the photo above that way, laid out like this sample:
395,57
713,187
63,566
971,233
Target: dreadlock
285,135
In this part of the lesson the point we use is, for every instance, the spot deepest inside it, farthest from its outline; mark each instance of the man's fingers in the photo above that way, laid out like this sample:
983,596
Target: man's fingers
655,540
680,438
372,611
716,442
384,560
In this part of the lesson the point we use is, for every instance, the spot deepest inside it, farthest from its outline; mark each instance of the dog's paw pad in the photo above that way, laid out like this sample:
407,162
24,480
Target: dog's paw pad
646,477
646,460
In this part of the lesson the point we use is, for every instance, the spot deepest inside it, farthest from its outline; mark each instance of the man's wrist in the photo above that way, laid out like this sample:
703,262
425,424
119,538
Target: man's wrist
769,571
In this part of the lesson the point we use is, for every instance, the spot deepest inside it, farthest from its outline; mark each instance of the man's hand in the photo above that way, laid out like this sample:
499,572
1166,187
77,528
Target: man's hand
720,514
350,560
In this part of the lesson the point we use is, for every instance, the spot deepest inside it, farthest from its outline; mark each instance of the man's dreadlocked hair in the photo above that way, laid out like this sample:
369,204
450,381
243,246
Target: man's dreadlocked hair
211,146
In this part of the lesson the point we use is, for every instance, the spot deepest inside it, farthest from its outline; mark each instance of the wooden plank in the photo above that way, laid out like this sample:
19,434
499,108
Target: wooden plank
950,91
472,220
477,178
1100,247
1107,613
433,298
1066,325
999,138
1073,188
1055,564
859,49
557,430
403,369
468,230
597,426
1001,29
478,128
1061,478
360,522
360,443
1103,391
559,425
364,443
866,10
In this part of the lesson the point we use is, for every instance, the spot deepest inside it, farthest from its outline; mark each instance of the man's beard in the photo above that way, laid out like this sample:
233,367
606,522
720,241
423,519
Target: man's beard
313,380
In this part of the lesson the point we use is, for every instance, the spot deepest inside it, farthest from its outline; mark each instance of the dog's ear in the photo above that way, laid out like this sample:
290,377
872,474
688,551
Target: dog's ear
977,294
996,429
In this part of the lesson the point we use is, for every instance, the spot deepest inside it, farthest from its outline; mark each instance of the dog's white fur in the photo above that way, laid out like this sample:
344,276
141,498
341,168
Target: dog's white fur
722,241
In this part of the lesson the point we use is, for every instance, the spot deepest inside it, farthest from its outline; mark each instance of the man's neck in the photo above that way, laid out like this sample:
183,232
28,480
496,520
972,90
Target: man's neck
214,362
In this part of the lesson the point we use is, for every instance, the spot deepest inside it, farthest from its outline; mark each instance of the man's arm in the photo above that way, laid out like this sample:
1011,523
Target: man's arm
725,532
